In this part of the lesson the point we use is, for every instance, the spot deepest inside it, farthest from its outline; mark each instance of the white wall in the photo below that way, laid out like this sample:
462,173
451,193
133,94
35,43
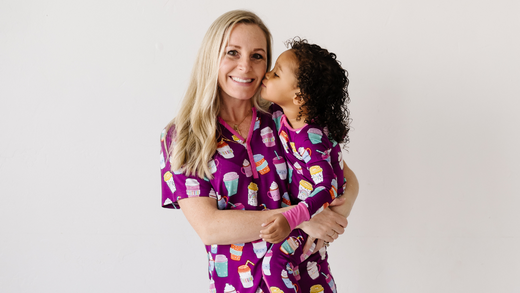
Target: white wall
86,87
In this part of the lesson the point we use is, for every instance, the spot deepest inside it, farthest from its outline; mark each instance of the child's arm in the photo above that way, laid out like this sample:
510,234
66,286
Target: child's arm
277,229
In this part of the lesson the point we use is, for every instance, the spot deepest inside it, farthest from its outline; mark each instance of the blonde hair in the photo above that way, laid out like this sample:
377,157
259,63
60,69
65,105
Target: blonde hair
194,141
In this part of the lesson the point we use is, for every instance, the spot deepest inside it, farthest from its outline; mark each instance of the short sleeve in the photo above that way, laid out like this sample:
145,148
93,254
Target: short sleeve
175,184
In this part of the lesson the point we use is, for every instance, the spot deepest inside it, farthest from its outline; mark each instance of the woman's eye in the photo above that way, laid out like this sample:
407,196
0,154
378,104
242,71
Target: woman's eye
258,56
232,52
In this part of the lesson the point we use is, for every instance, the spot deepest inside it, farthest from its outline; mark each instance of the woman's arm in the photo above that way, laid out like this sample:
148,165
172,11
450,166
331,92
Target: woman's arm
216,226
331,222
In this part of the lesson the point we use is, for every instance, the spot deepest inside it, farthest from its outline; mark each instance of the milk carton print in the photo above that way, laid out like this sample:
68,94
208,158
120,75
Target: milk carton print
168,178
260,248
252,194
224,150
316,174
231,182
266,263
315,135
267,137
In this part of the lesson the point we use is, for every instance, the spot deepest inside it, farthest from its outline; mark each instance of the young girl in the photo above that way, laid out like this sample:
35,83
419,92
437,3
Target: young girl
310,85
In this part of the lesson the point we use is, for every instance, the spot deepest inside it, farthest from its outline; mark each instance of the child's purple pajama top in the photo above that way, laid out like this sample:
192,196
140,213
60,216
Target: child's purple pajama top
315,163
248,173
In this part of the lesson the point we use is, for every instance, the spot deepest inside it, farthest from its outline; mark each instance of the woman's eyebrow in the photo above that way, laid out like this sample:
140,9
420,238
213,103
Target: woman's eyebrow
239,47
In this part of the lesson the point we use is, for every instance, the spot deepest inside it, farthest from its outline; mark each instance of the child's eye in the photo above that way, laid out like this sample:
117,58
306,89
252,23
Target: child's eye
275,74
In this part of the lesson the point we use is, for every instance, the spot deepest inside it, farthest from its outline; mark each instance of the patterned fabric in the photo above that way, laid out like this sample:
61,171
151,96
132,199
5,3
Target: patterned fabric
249,174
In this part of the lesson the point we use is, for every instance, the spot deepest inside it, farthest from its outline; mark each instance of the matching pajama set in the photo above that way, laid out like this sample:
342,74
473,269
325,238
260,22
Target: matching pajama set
249,173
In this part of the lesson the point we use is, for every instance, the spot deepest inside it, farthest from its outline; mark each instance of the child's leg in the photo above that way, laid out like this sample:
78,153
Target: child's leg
315,275
281,263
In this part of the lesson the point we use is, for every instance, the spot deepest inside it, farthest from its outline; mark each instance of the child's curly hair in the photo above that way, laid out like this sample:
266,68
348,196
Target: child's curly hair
323,87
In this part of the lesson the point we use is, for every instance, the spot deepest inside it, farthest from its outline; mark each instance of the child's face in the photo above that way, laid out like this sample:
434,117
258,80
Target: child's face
280,84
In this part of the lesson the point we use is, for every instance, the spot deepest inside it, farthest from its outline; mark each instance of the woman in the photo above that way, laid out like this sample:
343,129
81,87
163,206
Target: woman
222,121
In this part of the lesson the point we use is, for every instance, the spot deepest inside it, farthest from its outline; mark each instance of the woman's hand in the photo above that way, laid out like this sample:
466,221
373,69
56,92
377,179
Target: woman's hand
277,228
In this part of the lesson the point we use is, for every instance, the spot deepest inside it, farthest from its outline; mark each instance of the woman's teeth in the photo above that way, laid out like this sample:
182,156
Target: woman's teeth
241,80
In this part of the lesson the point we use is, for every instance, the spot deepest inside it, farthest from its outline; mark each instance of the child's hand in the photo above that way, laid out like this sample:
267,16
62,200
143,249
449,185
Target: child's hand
277,229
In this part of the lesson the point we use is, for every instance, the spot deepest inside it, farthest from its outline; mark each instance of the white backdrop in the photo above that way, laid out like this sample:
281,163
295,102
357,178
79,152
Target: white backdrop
87,86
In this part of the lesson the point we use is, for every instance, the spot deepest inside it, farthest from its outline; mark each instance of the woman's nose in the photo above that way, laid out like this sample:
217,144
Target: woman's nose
244,64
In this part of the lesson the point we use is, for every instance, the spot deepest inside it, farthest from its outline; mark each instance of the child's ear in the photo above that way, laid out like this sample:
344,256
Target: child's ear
298,99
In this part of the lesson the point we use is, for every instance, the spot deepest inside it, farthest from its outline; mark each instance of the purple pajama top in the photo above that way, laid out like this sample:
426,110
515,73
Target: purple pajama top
249,173
315,163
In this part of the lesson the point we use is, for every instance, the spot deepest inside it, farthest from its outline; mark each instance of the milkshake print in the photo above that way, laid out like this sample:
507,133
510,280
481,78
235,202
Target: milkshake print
290,173
261,164
257,123
212,288
236,251
267,137
252,191
230,289
305,154
287,281
305,189
286,201
231,182
313,270
161,160
212,165
281,167
246,168
222,202
289,246
224,150
315,135
274,192
325,155
277,117
316,174
245,275
211,262
212,194
295,152
298,168
284,138
330,281
323,252
168,178
266,266
221,265
260,248
192,187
